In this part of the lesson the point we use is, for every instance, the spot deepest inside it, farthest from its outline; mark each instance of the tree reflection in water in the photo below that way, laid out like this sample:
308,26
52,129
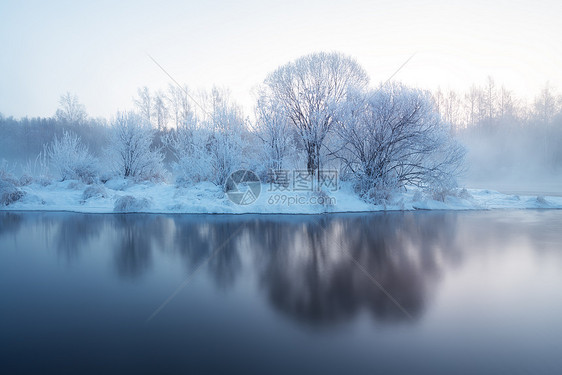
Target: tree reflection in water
310,276
302,264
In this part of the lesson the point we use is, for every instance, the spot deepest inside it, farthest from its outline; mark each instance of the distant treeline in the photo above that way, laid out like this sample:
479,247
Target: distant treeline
317,125
505,134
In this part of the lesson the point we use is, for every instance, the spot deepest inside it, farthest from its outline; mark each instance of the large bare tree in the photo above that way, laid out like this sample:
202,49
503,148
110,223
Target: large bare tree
308,90
394,137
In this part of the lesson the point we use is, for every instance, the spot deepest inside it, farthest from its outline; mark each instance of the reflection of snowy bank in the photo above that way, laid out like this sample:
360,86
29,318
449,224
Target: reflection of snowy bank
124,196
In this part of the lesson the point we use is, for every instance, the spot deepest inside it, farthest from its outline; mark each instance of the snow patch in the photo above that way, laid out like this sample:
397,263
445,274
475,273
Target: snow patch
121,195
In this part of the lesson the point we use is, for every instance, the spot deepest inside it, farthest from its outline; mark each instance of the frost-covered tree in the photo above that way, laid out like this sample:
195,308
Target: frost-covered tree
70,110
227,132
471,105
130,148
179,106
308,89
490,98
71,158
507,108
174,98
188,143
143,103
545,105
393,138
545,108
212,148
275,131
161,112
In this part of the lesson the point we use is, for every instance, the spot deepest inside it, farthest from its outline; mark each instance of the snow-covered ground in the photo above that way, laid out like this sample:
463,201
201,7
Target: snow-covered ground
124,196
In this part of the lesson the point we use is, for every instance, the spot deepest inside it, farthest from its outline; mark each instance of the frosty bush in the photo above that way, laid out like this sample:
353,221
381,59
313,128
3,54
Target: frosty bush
226,156
71,158
464,194
94,191
130,149
9,193
128,203
25,179
189,147
225,144
541,200
6,172
393,138
213,148
37,170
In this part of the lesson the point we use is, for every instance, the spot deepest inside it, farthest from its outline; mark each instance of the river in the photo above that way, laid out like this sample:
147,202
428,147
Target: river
413,292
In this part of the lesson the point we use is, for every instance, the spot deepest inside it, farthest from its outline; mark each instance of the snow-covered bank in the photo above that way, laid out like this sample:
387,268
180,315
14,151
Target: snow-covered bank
124,196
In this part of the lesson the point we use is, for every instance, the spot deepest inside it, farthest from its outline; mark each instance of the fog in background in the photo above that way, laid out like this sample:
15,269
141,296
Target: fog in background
493,69
513,145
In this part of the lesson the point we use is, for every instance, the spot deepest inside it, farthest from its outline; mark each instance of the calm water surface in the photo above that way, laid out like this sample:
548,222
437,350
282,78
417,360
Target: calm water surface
420,292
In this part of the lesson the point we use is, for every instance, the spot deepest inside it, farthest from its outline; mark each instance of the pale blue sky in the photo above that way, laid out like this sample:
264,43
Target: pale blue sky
98,49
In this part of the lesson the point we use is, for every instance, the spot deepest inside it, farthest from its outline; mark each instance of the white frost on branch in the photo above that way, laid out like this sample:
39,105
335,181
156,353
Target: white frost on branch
307,90
212,148
130,149
71,158
393,138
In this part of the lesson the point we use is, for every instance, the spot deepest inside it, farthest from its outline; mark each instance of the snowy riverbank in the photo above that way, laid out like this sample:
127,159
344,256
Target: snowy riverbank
124,196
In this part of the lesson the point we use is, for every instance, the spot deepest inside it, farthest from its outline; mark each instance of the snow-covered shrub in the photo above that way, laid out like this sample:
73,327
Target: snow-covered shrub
71,158
94,191
226,153
189,147
6,172
375,189
106,176
119,183
25,179
130,149
464,194
439,194
541,200
9,193
37,170
44,181
393,138
128,203
213,148
440,189
226,141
